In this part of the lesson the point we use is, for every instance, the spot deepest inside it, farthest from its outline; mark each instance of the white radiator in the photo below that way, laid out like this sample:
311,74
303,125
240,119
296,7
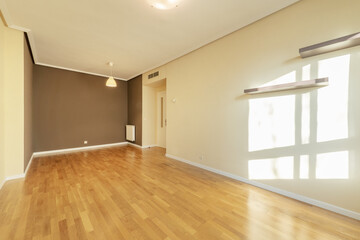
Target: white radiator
130,133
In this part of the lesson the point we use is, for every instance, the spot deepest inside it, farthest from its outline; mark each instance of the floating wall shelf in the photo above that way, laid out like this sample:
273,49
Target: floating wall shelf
288,86
330,46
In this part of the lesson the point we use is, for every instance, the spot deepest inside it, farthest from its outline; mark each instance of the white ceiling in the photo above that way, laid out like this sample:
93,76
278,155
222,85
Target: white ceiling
83,35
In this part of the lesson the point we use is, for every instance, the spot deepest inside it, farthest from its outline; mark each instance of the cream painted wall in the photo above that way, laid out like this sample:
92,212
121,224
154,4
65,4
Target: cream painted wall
12,110
149,116
2,137
149,109
211,115
28,102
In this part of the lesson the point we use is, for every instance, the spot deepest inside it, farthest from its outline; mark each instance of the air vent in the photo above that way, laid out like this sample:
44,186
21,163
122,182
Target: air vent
155,74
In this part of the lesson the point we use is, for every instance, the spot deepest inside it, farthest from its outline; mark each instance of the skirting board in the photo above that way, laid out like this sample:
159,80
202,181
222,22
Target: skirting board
138,146
150,146
11,178
2,183
29,163
18,176
68,150
298,197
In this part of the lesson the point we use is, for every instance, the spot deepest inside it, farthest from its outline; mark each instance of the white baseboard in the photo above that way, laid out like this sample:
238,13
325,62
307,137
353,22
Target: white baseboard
78,149
138,146
301,198
134,145
2,183
28,166
11,178
15,177
150,146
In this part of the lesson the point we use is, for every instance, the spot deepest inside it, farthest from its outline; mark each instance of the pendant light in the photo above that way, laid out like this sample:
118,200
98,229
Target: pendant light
111,81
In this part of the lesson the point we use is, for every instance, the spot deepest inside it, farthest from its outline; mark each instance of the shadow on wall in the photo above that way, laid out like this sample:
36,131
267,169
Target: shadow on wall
306,133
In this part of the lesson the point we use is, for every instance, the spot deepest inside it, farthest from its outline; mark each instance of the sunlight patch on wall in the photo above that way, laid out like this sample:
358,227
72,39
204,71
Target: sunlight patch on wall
334,165
271,122
304,167
273,168
287,78
332,112
306,72
305,118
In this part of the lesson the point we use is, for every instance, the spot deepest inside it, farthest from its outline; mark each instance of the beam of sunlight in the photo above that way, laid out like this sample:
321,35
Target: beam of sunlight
272,168
304,167
271,122
332,115
305,118
306,72
287,78
334,165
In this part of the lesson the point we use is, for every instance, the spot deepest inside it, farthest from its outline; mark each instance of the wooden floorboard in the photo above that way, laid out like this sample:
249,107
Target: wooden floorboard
132,193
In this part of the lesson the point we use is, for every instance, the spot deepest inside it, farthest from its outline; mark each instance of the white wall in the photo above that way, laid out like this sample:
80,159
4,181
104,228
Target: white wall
149,116
265,136
2,126
149,110
12,102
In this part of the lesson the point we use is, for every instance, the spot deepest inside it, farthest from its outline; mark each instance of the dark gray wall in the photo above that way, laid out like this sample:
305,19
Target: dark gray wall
71,107
135,107
28,109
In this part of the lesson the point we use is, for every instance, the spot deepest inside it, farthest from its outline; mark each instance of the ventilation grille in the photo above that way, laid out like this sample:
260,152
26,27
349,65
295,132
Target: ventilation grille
155,74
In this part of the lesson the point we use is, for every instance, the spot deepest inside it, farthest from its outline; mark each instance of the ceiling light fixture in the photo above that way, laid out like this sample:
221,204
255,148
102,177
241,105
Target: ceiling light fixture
164,4
111,81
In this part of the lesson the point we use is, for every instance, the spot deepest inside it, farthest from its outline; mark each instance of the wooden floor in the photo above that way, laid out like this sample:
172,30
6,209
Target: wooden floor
129,193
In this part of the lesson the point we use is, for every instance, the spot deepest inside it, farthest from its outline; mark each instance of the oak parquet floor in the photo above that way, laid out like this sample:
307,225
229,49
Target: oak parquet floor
130,193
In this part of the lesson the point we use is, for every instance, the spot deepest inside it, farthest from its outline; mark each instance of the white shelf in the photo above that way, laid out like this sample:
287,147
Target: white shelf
288,86
330,46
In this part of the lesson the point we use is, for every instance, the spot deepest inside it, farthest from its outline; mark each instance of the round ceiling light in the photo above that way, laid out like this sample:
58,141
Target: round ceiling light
164,4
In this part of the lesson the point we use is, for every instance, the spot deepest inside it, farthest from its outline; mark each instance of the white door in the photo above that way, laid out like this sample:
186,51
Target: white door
161,119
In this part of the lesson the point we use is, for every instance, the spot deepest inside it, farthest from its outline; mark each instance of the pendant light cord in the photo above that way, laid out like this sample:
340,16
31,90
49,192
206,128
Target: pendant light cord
111,64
